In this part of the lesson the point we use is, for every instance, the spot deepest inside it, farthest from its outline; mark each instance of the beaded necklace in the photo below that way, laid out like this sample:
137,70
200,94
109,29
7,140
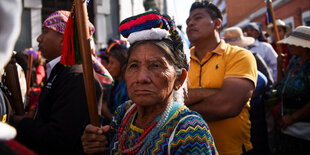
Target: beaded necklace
147,135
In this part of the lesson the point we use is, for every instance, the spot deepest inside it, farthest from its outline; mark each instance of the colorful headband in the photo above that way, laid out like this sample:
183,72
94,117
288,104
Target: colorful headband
151,26
116,44
103,52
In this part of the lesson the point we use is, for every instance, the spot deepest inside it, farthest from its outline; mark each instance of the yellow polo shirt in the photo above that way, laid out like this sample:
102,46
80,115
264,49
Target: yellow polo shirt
230,135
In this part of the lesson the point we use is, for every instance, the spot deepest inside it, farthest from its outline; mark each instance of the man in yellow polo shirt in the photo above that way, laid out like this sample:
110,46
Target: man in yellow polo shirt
221,80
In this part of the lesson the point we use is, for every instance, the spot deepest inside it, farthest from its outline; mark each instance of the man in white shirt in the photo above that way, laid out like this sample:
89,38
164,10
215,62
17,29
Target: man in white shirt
264,49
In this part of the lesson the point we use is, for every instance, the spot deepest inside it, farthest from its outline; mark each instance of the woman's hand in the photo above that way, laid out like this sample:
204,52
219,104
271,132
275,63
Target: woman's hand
286,120
94,139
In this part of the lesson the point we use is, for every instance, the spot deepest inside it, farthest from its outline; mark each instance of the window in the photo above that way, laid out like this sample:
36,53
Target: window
290,22
306,18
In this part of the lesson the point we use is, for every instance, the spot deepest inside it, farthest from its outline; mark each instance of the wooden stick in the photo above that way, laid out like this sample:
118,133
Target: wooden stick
12,82
275,28
29,71
83,33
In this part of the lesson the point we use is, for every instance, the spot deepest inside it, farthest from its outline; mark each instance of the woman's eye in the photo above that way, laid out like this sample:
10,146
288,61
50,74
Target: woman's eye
133,66
155,65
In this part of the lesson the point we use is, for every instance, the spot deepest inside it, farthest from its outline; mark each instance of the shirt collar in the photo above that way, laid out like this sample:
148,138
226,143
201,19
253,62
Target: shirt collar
220,49
50,65
255,44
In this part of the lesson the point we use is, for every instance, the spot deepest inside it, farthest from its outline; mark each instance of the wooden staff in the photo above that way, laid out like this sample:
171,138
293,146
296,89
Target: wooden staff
29,70
12,82
84,42
275,28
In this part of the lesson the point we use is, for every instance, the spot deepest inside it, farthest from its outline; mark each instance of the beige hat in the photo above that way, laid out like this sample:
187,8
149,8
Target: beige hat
234,36
299,37
279,22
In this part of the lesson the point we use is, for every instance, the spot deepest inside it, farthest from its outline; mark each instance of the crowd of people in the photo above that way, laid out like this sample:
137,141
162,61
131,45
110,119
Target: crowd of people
156,95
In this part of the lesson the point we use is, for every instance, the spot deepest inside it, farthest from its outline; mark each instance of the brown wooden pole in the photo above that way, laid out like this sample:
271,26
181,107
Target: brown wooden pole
275,28
12,82
28,78
83,33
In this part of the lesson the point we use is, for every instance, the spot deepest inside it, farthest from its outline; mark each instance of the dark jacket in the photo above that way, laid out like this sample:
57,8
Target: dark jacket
62,114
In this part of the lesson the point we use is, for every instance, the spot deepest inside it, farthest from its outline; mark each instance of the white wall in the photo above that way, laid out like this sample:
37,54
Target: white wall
130,7
179,10
102,10
36,27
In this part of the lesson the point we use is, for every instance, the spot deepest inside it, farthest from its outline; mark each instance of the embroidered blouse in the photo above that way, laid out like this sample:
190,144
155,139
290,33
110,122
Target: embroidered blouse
184,132
295,86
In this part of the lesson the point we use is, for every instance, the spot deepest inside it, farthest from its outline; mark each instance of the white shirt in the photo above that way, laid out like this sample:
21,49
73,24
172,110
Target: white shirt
50,65
299,130
266,51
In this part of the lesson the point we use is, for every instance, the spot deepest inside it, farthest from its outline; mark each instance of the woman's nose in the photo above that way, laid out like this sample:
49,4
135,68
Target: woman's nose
143,76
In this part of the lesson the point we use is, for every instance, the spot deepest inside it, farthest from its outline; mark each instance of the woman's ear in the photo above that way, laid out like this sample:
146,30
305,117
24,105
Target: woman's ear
180,79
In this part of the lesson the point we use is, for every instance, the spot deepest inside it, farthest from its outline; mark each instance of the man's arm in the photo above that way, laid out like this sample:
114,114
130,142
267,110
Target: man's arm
223,103
197,95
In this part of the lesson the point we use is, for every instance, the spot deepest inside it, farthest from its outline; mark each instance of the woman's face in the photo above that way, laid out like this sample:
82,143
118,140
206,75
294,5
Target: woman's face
114,67
149,75
251,32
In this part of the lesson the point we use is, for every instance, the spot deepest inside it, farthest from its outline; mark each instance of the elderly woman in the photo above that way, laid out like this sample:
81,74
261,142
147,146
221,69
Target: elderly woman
294,90
155,120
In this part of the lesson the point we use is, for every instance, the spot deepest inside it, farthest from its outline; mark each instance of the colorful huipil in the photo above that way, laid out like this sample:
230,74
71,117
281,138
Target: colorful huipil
295,86
177,130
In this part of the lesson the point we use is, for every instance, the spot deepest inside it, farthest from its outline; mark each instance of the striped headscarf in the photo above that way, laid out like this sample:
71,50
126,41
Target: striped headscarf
57,21
153,26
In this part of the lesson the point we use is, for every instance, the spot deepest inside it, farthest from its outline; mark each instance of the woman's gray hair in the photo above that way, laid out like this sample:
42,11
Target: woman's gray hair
178,95
174,52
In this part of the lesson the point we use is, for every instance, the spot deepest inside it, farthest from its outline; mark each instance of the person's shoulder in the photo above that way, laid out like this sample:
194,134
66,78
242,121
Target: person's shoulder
265,45
238,51
186,114
120,112
123,108
190,131
67,74
59,68
73,69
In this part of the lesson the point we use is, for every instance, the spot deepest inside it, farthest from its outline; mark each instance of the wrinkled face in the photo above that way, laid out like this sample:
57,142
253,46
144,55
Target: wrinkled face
200,26
114,67
251,32
50,43
149,75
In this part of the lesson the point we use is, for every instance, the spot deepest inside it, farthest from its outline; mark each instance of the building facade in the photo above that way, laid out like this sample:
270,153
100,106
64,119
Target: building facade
292,12
104,14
